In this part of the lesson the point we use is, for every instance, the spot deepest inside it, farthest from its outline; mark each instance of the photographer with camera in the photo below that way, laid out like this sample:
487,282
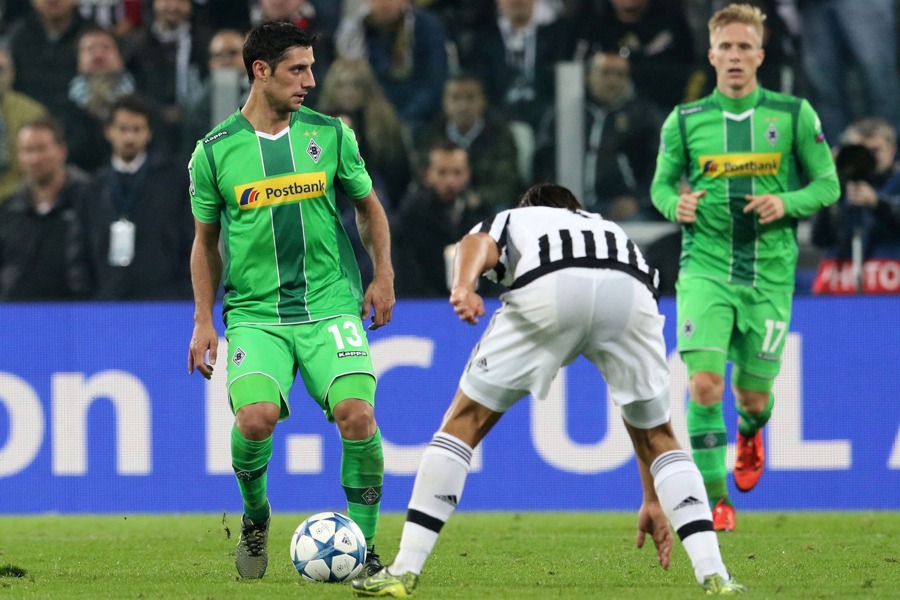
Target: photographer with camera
862,230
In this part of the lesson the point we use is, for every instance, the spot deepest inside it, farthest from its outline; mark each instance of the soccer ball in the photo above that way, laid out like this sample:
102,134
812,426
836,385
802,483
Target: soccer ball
328,547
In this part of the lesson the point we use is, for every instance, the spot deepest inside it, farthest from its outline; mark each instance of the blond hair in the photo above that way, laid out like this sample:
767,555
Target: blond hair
746,14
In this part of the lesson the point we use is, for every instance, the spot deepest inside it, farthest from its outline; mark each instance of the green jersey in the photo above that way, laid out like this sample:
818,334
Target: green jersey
764,143
287,258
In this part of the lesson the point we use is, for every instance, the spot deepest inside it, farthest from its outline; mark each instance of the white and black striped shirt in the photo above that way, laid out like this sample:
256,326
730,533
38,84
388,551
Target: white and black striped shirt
537,240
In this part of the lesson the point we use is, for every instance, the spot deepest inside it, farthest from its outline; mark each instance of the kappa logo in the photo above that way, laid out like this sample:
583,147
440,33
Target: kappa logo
689,501
239,356
314,150
216,136
452,500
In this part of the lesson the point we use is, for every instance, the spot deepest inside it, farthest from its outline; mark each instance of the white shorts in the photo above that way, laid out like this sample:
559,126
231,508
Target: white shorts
607,316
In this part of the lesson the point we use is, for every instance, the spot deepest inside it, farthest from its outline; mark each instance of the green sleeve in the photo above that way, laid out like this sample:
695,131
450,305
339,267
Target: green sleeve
814,155
206,200
351,170
670,167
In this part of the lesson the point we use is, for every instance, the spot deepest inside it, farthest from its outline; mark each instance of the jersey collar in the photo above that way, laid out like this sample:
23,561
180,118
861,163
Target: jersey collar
738,105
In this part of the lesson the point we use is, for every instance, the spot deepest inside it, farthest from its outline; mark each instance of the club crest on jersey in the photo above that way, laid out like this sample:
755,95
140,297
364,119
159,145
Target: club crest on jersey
688,328
772,135
287,189
740,164
314,150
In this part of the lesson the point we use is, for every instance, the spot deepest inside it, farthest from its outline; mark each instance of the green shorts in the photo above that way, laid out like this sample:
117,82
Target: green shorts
745,325
322,351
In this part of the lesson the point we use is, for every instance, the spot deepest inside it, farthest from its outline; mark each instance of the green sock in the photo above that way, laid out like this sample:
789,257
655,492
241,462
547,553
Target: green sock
749,424
250,459
706,428
362,475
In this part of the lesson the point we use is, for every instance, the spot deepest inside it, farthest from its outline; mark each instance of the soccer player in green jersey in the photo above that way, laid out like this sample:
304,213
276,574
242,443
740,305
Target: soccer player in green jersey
264,181
744,150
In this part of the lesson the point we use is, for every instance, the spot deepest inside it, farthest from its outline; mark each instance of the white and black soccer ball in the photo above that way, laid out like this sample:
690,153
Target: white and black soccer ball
328,547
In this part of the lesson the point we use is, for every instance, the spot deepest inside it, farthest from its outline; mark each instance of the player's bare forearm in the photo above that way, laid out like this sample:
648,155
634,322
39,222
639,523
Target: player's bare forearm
374,232
475,254
206,273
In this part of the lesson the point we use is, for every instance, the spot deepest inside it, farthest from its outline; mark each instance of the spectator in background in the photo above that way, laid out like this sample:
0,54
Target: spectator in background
870,208
656,37
141,215
407,48
44,45
350,88
16,109
120,17
841,37
515,58
45,244
225,52
101,80
463,19
621,142
432,216
168,58
484,134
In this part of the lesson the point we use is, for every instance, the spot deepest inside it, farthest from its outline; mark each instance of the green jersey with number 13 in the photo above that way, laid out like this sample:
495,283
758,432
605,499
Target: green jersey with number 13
287,256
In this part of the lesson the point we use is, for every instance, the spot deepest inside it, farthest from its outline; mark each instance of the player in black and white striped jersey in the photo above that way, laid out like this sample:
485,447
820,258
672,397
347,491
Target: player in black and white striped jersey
578,287
544,239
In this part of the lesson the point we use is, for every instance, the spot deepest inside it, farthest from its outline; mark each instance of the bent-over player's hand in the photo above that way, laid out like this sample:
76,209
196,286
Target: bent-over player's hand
686,209
467,304
204,340
769,207
380,297
652,520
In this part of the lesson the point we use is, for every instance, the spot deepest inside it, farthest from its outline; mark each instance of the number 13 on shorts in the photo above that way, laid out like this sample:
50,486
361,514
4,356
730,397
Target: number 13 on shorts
345,335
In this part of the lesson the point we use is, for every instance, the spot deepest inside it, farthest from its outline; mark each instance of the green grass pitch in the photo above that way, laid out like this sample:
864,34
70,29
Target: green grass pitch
480,555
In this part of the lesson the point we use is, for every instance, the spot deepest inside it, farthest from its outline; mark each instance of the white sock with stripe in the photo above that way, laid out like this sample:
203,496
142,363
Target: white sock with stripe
436,492
681,493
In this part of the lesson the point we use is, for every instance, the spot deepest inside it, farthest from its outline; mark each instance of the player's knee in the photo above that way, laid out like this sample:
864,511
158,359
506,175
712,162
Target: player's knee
707,388
753,401
355,419
257,421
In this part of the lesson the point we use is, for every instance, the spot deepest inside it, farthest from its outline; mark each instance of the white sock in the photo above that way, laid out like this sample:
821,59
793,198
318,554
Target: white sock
681,493
436,492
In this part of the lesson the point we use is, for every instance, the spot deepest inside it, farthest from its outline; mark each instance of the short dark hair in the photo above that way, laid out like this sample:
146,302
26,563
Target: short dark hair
271,41
134,103
549,194
51,125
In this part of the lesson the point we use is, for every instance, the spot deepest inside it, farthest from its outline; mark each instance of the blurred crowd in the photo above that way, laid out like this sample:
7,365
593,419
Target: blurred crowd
453,103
